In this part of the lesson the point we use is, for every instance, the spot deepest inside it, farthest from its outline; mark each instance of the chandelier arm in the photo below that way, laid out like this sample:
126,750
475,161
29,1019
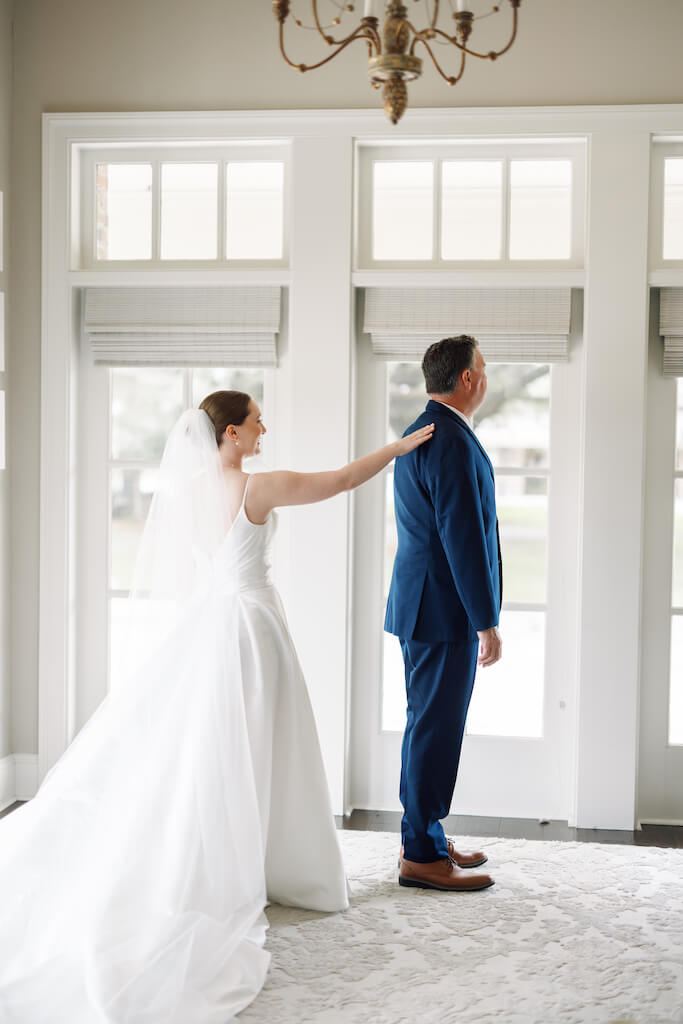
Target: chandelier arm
497,53
450,79
330,40
359,33
492,54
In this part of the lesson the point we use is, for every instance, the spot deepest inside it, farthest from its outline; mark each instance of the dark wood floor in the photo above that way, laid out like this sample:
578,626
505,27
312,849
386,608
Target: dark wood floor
506,828
520,828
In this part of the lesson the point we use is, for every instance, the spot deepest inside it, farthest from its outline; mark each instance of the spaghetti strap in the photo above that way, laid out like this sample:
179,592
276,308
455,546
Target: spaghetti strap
244,492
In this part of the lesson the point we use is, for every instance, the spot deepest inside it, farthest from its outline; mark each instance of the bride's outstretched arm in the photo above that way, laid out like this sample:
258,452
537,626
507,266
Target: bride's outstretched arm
271,490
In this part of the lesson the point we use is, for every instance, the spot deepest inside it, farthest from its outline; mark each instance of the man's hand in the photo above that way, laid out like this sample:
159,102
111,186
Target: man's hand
490,646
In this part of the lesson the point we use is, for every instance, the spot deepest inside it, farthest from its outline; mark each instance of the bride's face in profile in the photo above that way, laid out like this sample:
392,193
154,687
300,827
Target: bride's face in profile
249,433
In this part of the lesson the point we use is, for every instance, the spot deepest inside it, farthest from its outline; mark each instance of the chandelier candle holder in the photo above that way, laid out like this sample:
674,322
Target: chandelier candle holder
391,50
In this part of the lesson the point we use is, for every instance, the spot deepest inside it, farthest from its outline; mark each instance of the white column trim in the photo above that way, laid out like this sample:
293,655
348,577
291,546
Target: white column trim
615,353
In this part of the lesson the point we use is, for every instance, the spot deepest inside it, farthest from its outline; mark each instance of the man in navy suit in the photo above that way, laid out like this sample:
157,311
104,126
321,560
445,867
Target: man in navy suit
444,605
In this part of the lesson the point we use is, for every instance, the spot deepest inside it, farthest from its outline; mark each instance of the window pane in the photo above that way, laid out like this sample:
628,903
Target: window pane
508,696
407,397
679,426
204,381
189,211
393,686
146,402
673,210
540,209
514,426
676,681
402,210
124,211
522,504
677,598
131,494
471,211
513,423
254,205
118,612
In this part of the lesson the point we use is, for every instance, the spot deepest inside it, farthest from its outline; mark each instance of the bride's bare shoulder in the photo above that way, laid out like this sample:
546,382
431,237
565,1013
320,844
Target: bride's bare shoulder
260,496
235,482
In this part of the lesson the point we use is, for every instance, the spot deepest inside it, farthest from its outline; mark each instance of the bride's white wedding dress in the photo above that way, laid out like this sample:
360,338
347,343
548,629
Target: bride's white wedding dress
132,887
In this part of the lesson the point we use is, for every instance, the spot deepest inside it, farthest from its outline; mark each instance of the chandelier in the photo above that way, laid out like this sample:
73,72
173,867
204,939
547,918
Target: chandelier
391,50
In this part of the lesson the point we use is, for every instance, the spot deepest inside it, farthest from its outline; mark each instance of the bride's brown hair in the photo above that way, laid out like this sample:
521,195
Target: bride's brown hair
224,408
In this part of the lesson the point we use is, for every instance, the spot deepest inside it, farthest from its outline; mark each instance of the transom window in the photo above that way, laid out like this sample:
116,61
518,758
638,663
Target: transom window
666,204
471,204
201,205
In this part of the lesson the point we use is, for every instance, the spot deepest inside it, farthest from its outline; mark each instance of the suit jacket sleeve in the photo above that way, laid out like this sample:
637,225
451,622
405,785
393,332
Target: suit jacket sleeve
456,496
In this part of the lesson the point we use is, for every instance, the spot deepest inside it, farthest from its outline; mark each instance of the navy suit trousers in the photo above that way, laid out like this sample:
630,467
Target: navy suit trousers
439,681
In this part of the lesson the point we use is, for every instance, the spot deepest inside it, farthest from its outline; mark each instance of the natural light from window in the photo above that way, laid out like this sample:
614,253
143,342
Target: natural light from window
471,209
540,209
124,211
402,210
514,427
188,197
676,676
672,242
254,210
189,211
145,403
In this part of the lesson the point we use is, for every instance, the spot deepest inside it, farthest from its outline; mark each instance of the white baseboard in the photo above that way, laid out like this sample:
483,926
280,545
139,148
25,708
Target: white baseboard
659,821
18,778
7,781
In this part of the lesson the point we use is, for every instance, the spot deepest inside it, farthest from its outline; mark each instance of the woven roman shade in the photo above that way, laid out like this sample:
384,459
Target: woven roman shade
671,329
196,326
512,325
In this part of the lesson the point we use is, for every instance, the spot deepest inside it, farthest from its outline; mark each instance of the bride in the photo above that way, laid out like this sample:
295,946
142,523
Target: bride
133,885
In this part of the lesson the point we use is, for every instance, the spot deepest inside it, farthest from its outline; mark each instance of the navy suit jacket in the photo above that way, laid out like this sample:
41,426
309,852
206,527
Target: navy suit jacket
447,580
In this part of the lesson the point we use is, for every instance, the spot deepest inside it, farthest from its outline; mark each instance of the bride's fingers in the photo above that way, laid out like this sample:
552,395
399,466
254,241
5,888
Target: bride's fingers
423,434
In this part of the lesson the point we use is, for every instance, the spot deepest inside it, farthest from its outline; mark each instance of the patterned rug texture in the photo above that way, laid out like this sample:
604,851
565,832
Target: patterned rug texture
577,933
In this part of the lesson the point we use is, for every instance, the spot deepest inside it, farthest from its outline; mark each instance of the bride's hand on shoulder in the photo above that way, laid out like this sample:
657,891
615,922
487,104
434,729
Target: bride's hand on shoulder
414,440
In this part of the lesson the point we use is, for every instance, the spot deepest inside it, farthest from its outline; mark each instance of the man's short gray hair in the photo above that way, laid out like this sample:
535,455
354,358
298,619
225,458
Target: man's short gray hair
445,360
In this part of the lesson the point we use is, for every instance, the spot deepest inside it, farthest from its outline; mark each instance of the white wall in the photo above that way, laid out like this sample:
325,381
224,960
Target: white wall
92,55
5,120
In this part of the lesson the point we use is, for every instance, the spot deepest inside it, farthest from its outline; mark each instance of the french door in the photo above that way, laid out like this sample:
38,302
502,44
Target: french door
516,757
660,760
125,415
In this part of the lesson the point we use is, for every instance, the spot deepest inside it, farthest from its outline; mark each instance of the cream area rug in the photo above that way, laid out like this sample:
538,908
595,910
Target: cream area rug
577,933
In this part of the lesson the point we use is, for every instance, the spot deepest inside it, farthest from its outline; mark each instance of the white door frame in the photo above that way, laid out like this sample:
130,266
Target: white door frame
537,782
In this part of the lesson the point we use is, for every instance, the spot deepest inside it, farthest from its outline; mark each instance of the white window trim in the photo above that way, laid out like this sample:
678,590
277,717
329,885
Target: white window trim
86,159
504,150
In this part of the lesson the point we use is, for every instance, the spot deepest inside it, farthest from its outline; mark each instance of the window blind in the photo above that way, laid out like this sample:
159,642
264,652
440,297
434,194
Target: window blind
671,329
512,325
183,326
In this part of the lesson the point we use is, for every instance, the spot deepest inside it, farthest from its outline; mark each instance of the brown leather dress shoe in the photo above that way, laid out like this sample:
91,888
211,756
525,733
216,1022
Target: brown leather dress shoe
441,874
461,860
465,860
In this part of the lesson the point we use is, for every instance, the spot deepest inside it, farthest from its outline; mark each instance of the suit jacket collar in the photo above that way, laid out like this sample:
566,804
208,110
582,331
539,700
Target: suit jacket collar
439,407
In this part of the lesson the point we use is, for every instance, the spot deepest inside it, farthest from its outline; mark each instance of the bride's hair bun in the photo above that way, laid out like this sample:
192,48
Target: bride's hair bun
224,408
